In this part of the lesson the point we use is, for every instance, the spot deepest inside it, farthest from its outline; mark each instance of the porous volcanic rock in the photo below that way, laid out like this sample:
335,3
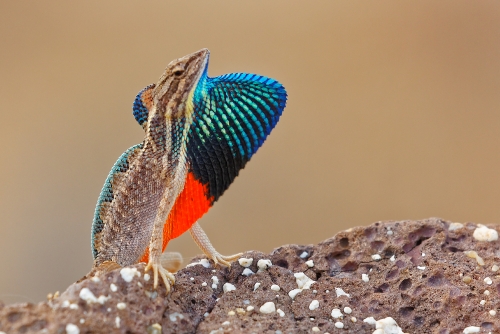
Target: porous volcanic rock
422,274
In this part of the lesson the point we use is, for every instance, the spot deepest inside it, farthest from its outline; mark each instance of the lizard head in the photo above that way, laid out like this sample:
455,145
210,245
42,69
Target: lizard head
178,81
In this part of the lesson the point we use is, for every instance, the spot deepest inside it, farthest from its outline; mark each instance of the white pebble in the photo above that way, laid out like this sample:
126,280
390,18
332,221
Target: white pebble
250,308
95,279
376,257
174,316
117,322
393,258
455,226
72,329
244,262
314,305
146,277
482,302
231,313
336,313
493,312
390,232
267,308
275,287
247,272
65,303
488,280
303,282
215,282
113,287
486,292
347,310
370,321
365,278
121,306
353,319
310,263
128,274
495,268
73,306
256,286
341,292
206,314
387,325
423,254
294,293
338,324
280,312
315,329
89,297
191,278
421,267
226,323
204,262
204,284
472,329
228,287
264,264
483,233
304,255
82,321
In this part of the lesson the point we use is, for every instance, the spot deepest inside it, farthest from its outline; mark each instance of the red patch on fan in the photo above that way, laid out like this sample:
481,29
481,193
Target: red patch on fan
189,206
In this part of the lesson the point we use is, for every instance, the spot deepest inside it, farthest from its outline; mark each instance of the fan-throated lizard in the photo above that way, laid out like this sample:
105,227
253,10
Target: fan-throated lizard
200,132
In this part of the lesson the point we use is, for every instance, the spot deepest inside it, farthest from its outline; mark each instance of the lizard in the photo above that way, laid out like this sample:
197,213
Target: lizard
199,133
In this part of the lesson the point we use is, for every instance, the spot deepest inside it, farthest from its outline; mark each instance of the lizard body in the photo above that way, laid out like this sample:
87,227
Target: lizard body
199,132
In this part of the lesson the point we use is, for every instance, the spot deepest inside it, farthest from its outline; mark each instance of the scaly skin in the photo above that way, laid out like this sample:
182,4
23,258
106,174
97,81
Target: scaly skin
199,132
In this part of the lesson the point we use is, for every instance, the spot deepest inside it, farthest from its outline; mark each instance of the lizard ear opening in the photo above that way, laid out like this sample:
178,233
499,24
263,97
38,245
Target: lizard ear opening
142,104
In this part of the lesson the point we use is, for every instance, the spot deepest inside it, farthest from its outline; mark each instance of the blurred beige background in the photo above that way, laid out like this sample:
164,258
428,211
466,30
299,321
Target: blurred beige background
393,113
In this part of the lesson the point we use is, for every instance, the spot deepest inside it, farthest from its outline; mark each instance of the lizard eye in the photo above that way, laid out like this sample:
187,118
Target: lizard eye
178,73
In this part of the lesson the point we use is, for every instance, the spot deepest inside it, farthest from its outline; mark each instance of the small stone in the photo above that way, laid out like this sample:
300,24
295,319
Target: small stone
275,287
204,284
250,308
239,310
314,305
474,255
488,281
495,268
486,292
310,263
365,278
353,319
483,233
493,312
264,264
338,324
472,329
421,267
146,277
244,262
226,323
294,293
72,329
347,310
154,329
267,308
393,258
376,257
280,312
247,272
336,313
256,286
191,278
303,255
467,279
341,292
128,274
315,329
482,302
121,306
113,287
231,313
455,226
228,287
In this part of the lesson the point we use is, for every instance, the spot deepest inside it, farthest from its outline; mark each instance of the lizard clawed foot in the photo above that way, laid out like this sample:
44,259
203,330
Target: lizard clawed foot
167,277
203,242
222,259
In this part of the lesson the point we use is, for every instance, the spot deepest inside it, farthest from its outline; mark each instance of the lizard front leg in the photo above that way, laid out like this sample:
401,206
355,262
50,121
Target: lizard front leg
201,239
155,248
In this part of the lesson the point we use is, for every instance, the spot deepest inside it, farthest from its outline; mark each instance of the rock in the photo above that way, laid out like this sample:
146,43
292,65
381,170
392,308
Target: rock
423,280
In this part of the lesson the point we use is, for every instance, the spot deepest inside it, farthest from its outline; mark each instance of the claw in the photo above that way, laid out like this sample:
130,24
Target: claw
167,277
223,259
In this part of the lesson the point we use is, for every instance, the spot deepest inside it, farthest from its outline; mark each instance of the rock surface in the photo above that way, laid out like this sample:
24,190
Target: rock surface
424,275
